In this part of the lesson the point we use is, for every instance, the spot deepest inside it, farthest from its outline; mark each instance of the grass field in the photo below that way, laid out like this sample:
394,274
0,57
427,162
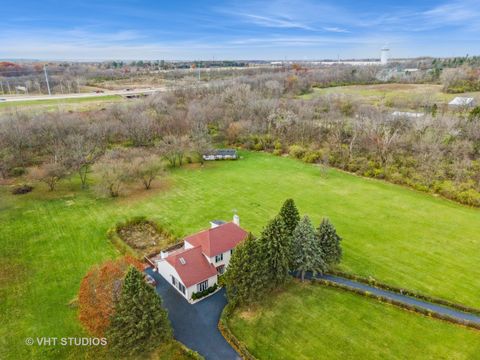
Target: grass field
403,96
49,240
311,322
77,104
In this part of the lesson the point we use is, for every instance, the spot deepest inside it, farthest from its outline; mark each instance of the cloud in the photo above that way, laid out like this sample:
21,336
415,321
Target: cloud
335,29
275,22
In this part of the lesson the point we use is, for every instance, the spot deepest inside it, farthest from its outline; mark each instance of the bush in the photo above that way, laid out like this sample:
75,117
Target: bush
201,294
18,171
297,151
312,156
24,189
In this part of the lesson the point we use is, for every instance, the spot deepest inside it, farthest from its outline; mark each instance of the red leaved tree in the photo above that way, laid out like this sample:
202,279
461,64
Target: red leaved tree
99,290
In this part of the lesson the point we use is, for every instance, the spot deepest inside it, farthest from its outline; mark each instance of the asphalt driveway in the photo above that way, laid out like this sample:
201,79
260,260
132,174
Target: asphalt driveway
196,325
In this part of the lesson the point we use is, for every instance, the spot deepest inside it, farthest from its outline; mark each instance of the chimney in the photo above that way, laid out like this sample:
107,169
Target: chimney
236,220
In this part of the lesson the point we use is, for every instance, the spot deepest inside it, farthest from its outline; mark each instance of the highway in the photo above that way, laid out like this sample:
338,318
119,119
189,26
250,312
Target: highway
125,93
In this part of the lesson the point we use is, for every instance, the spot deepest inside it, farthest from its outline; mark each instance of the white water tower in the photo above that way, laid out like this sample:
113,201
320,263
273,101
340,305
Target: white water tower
384,55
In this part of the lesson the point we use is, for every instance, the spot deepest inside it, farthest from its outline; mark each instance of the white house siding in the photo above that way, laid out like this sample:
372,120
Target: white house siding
193,289
187,245
167,271
225,261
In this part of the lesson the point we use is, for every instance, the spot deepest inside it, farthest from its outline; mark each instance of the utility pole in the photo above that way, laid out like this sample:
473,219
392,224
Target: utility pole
1,86
46,78
8,86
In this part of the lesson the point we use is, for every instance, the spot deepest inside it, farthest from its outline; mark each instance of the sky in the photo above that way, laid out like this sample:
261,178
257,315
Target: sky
244,30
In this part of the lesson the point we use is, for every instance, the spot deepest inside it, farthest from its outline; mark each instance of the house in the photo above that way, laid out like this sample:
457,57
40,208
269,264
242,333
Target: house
194,265
462,102
221,154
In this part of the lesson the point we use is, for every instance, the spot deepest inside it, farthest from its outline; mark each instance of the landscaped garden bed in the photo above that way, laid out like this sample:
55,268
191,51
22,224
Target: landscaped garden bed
143,237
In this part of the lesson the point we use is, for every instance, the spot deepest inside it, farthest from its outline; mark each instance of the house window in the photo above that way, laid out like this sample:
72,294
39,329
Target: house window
174,281
231,251
221,269
202,286
219,258
181,288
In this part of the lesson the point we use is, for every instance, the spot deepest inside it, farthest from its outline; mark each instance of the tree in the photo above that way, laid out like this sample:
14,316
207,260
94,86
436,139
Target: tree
329,242
139,323
173,148
146,168
81,152
246,279
307,254
99,290
114,171
290,216
275,249
50,174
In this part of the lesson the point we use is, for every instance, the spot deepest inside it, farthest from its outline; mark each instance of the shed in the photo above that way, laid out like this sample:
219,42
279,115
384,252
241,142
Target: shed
460,101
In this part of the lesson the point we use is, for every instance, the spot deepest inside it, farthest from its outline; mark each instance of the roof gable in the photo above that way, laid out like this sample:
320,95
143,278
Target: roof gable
192,266
218,240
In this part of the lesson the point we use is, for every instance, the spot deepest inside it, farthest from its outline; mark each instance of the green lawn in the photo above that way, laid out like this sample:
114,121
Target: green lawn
399,236
315,322
72,104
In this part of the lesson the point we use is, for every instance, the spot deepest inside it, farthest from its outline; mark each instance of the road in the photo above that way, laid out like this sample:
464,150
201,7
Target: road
133,92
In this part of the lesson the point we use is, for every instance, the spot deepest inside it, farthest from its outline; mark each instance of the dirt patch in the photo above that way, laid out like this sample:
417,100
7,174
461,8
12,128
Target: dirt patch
144,236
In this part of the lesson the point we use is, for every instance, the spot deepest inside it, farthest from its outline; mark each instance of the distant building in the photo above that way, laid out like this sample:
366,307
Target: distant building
221,154
407,114
384,55
462,102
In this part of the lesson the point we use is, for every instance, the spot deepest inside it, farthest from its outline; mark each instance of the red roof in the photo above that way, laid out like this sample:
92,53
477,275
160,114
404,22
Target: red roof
194,267
218,240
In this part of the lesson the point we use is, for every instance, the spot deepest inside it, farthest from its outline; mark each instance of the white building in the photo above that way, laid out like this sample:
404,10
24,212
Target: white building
407,114
195,266
462,102
384,55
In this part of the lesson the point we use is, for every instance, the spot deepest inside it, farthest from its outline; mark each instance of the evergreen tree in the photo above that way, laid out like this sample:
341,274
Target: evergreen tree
307,254
290,216
140,323
246,279
275,251
329,242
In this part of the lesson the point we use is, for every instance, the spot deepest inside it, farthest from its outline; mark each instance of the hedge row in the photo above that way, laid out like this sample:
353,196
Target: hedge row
377,284
231,339
207,291
400,304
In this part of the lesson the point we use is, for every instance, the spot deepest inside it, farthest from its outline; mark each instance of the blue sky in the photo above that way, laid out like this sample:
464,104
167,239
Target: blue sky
297,29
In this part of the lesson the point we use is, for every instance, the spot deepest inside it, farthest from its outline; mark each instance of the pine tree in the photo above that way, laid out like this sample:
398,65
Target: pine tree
140,323
290,216
275,251
307,254
329,243
245,279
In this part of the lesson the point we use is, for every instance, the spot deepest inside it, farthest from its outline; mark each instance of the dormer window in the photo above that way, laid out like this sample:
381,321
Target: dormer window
219,258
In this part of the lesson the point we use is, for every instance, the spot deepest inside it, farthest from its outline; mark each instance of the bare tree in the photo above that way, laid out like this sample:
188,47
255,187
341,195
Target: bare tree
50,174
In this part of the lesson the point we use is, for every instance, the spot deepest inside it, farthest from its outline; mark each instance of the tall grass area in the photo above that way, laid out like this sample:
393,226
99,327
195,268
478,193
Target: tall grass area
49,240
312,322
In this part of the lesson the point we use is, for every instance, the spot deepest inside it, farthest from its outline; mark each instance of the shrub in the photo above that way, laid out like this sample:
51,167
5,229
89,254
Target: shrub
201,294
297,151
18,171
23,189
312,156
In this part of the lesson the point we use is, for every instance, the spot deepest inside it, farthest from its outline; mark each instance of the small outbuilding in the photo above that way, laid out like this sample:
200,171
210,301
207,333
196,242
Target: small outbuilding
462,102
221,154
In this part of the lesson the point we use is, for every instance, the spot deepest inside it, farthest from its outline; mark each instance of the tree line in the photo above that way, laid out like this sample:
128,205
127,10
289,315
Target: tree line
438,152
288,244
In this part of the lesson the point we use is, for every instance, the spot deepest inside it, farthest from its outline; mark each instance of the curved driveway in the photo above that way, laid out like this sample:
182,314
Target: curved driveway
196,325
443,310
